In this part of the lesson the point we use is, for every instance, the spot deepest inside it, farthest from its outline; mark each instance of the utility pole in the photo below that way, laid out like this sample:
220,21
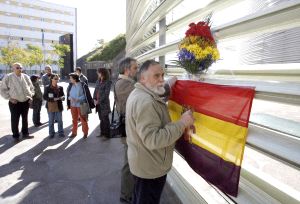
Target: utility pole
43,45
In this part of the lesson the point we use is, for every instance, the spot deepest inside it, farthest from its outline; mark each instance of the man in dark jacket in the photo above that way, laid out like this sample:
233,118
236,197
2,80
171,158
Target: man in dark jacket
81,76
37,101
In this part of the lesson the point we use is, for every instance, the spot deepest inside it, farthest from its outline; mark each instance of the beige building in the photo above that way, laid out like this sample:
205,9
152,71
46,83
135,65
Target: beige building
36,22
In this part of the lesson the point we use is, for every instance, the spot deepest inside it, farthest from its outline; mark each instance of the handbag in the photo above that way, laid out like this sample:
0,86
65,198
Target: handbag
85,109
117,125
53,106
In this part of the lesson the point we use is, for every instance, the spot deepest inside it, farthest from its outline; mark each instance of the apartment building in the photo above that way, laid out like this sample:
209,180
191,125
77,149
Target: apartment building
38,23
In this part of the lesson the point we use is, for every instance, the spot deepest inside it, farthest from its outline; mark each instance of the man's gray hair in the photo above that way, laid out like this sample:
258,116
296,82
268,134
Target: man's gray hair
145,66
17,63
48,66
125,64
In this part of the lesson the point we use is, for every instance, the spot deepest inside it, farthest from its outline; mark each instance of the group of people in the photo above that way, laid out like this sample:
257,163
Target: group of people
140,96
24,92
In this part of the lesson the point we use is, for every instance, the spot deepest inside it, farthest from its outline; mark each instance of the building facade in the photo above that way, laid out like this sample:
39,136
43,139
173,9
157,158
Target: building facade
37,23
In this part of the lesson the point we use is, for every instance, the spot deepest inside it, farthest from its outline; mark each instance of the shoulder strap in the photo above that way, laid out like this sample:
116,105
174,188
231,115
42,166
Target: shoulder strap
115,89
115,97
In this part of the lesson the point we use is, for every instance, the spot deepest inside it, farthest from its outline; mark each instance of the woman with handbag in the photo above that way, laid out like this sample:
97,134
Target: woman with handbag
101,100
80,101
54,95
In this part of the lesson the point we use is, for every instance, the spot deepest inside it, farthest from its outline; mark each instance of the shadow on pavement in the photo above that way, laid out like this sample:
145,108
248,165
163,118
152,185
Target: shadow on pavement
63,170
6,142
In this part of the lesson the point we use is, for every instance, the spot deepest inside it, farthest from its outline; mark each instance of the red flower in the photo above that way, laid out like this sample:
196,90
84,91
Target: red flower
201,29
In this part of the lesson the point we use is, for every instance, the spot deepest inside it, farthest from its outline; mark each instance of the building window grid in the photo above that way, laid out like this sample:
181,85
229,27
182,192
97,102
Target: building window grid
48,9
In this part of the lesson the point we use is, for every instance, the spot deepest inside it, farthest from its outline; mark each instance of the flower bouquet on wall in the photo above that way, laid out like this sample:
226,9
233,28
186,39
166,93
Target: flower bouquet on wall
198,50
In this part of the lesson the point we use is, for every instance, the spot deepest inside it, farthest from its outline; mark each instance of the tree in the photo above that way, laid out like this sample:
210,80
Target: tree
109,51
35,56
12,54
61,50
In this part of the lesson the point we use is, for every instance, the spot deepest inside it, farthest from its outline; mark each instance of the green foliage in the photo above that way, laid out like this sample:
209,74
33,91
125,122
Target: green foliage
35,55
12,54
61,50
110,50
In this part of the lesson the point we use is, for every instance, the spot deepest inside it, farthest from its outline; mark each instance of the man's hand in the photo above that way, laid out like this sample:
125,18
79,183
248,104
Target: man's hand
187,118
13,101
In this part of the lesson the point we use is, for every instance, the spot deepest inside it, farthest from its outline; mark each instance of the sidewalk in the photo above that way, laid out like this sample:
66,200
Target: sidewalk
61,170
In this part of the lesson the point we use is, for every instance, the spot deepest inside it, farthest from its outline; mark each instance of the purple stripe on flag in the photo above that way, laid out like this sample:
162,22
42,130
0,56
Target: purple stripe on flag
223,174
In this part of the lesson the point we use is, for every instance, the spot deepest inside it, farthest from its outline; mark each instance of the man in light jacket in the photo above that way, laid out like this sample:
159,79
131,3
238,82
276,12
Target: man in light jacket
151,135
18,89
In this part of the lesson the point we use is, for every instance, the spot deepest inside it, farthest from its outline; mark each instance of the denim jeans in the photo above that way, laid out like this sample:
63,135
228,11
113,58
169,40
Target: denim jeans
57,116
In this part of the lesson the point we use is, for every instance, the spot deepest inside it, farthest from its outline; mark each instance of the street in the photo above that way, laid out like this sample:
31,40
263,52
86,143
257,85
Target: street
61,170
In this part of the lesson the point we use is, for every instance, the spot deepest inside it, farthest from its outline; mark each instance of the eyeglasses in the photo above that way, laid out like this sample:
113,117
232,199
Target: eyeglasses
18,67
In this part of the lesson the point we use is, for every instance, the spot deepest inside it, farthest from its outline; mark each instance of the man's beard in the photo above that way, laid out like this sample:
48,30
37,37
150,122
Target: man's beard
159,90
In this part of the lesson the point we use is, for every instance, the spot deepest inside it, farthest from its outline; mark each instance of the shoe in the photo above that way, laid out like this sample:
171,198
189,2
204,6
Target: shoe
84,136
16,139
61,135
106,136
72,136
38,124
51,136
28,137
124,200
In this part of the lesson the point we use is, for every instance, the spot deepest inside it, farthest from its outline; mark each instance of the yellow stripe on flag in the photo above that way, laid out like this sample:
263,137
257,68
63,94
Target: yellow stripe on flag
219,137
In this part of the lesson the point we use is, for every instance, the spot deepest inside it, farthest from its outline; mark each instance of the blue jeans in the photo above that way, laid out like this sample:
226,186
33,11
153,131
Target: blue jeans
57,116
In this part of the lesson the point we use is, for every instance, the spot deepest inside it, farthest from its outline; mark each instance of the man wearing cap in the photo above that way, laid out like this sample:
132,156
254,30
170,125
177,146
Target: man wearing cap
18,89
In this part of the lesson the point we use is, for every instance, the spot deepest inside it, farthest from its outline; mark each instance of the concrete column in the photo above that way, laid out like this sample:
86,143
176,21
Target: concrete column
162,39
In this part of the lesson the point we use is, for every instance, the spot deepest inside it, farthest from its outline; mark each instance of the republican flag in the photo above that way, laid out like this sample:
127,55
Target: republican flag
215,149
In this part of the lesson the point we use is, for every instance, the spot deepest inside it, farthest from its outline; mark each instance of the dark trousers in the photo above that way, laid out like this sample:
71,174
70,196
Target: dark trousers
17,110
148,191
127,180
36,112
104,124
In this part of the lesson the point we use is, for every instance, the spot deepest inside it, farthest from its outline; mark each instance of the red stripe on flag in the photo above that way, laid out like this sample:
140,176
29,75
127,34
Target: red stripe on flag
228,103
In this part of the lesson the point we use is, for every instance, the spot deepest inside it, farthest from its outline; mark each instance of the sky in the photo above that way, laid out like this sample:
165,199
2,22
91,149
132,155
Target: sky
96,19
